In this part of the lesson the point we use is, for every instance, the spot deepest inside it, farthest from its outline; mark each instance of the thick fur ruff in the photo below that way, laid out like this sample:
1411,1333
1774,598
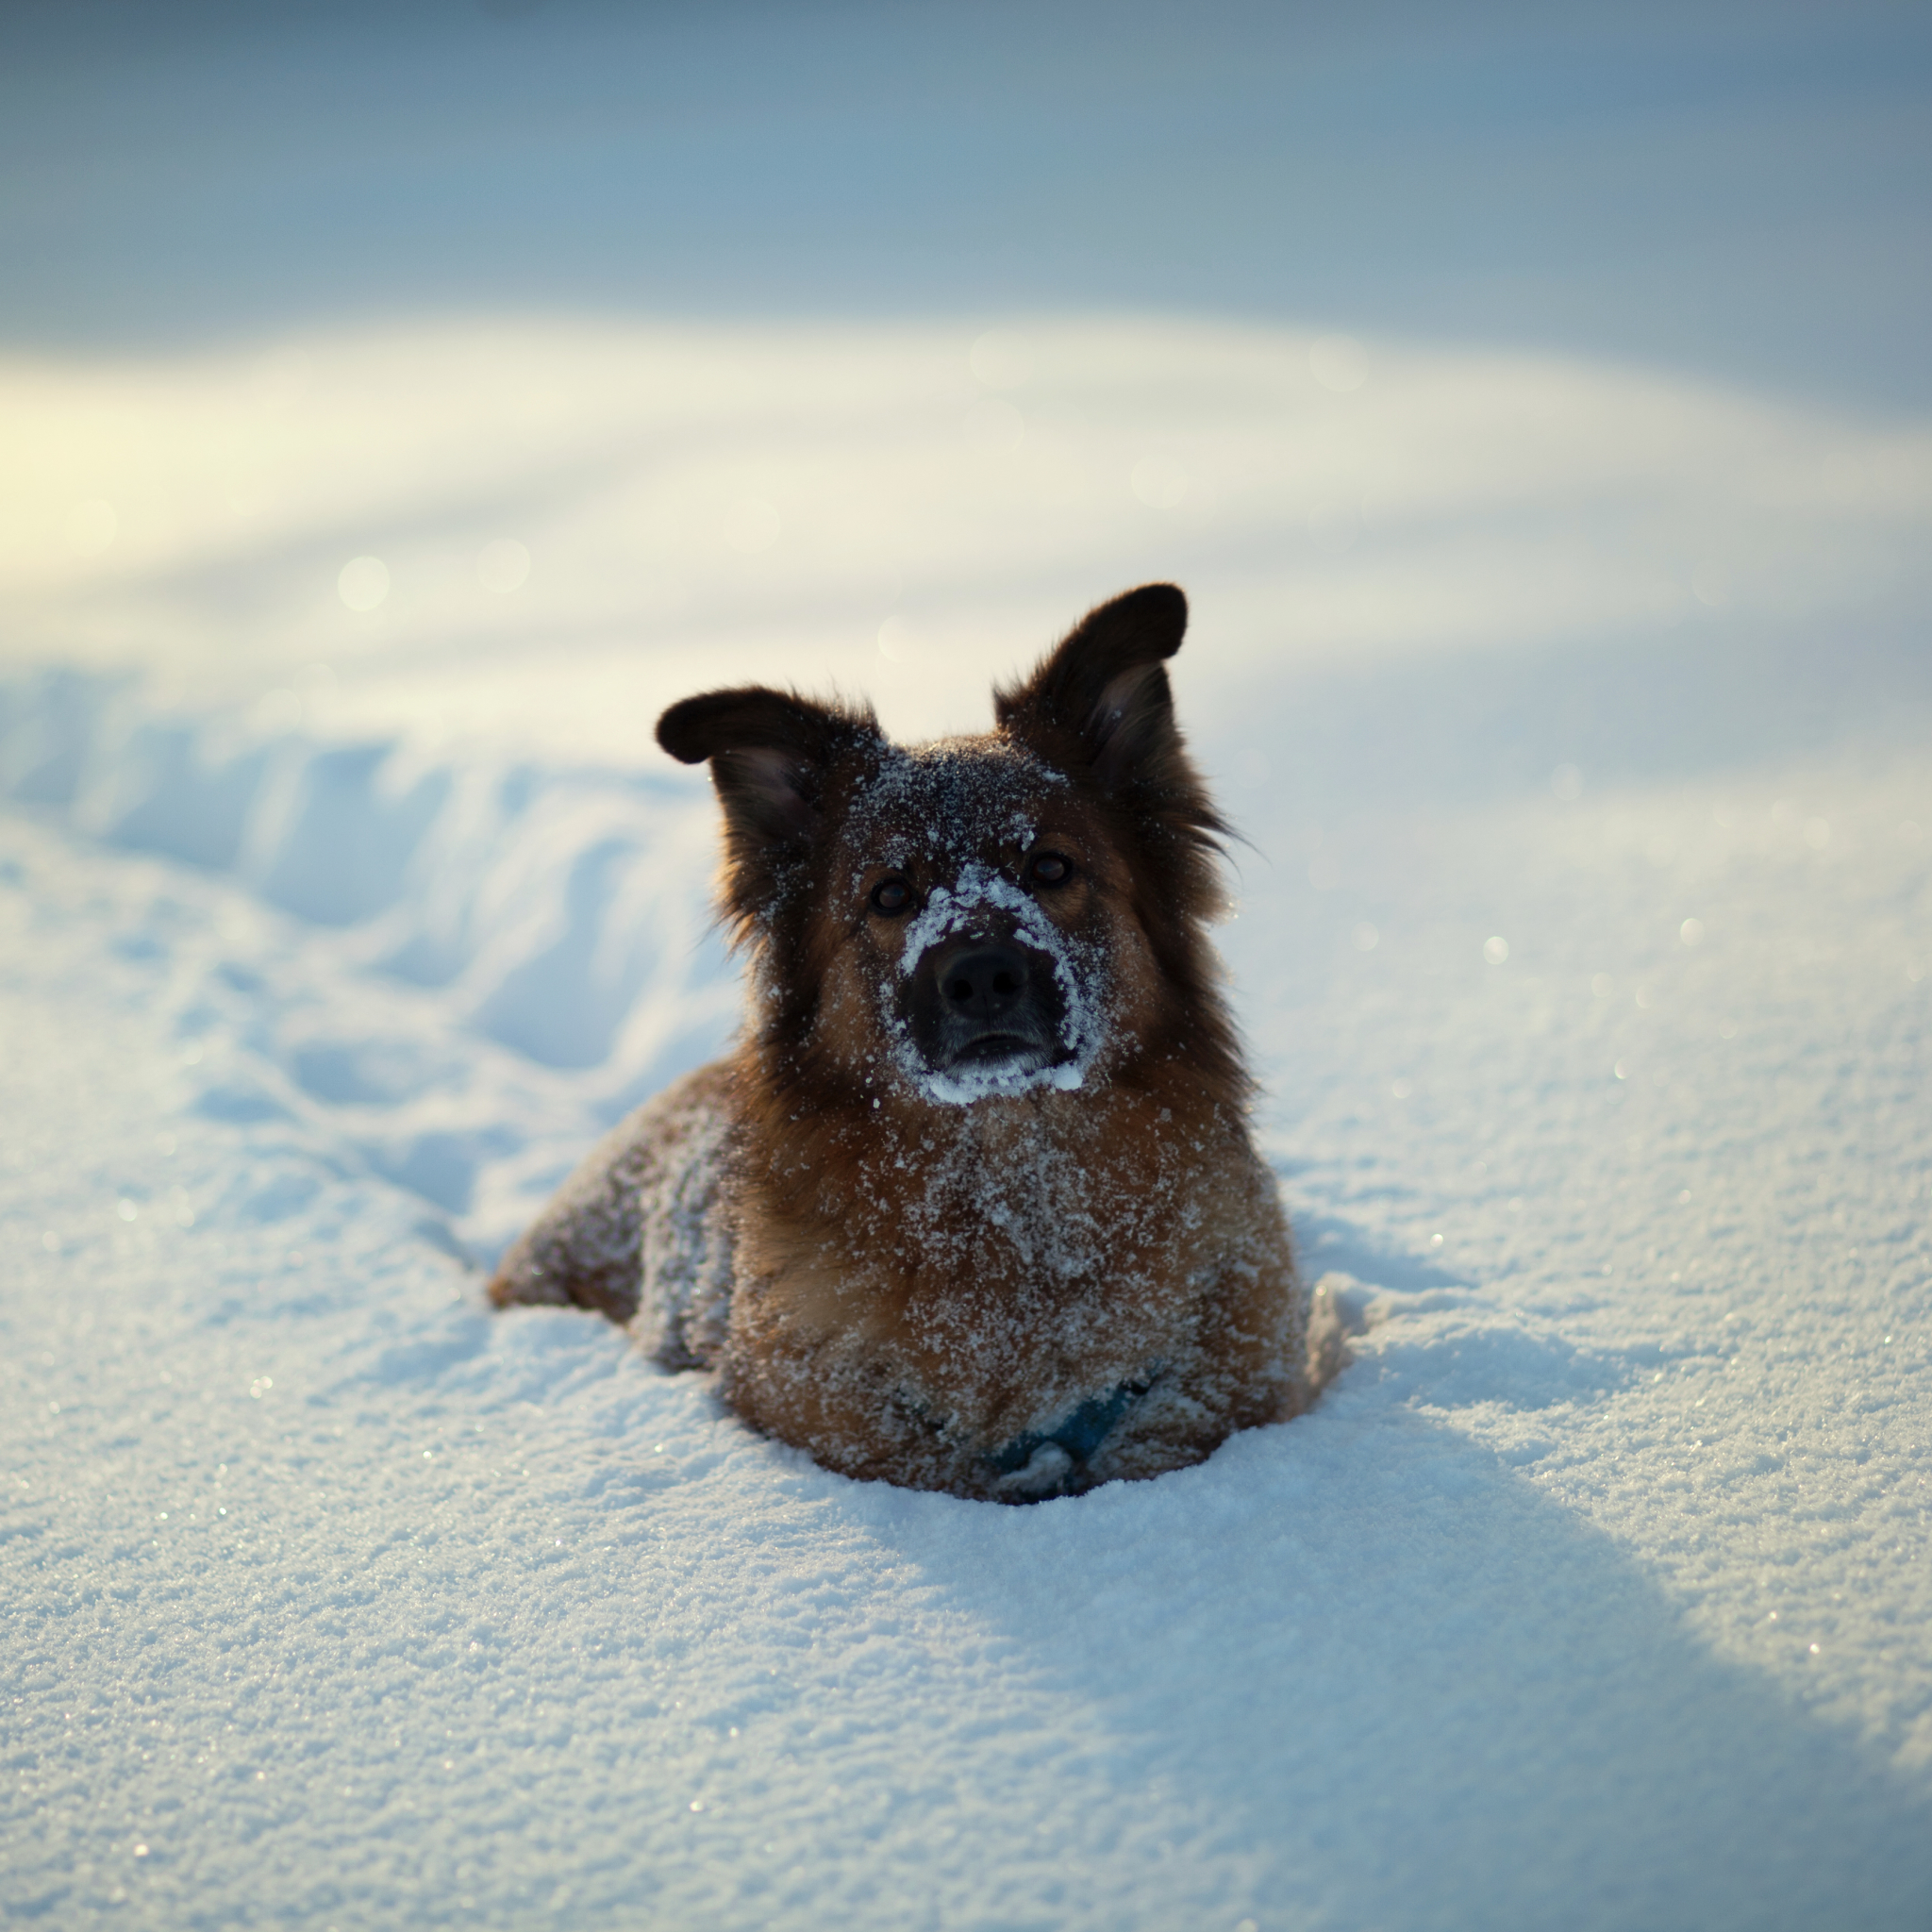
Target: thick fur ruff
973,1206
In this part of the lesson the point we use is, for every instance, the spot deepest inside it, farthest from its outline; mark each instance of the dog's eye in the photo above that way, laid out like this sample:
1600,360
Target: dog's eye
890,897
1049,868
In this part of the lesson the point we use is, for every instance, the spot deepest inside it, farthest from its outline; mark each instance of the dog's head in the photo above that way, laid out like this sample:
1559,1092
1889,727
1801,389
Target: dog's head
980,916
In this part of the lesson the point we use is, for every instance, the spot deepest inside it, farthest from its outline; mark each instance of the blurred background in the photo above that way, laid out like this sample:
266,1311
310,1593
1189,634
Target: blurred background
1509,384
1734,191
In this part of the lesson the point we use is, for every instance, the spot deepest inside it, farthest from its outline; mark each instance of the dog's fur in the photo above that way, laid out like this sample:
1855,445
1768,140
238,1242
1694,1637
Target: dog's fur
973,1206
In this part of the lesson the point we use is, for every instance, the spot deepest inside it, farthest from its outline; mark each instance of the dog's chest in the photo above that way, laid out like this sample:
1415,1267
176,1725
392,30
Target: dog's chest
985,1242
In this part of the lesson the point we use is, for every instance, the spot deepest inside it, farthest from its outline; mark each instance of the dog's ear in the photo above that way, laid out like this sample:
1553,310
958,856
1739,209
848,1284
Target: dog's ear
1099,706
771,752
1101,697
768,750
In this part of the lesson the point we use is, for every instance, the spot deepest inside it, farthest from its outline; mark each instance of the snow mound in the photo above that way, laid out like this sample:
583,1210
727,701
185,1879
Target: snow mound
1581,719
1593,1594
493,918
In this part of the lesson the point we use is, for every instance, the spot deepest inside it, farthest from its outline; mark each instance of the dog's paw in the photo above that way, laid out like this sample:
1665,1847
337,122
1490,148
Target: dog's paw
1339,1306
1351,1301
1045,1475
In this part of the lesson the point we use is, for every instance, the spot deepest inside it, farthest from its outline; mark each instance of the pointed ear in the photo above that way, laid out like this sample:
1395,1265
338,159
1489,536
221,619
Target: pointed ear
771,752
1102,698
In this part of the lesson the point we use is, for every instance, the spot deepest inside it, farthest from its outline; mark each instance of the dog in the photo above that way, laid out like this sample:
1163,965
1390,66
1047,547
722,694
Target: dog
973,1206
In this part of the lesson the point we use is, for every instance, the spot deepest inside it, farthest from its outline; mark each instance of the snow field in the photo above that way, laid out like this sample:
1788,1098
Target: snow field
1580,718
502,1627
908,509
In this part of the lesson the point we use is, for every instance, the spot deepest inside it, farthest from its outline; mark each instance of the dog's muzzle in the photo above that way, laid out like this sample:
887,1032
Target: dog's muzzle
975,1001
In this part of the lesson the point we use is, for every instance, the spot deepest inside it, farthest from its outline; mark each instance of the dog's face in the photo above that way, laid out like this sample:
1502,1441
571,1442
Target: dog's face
980,917
966,923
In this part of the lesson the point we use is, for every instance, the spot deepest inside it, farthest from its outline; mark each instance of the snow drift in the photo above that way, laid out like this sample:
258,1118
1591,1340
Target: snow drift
1589,985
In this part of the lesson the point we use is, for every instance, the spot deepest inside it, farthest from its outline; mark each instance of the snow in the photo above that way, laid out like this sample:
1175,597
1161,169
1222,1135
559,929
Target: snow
1594,1592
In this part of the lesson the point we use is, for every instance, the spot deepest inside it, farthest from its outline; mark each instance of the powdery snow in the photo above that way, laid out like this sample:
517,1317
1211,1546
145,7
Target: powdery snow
1589,991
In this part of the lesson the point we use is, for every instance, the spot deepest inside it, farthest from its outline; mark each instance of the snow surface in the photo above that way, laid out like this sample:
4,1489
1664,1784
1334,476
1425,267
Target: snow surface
1585,949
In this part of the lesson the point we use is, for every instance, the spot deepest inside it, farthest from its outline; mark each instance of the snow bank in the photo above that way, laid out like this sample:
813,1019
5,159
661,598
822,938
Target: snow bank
560,916
1590,988
575,524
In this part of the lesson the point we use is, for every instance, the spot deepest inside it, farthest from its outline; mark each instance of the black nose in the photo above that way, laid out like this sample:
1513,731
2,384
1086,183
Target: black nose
983,982
983,997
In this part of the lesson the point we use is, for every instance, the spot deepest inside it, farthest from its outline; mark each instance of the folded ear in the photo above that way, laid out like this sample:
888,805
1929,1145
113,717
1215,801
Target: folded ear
771,752
1100,698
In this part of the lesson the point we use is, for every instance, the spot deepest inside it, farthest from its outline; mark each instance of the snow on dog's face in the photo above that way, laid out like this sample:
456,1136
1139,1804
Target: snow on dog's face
980,945
980,918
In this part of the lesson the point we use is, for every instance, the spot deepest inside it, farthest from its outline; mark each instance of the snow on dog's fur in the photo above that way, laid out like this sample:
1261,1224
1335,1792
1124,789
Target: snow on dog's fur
973,1205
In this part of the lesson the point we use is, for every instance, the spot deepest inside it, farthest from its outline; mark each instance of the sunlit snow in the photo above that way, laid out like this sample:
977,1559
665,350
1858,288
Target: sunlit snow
1581,727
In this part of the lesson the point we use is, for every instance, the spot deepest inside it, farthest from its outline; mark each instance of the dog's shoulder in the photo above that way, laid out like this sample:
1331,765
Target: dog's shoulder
652,1175
688,1229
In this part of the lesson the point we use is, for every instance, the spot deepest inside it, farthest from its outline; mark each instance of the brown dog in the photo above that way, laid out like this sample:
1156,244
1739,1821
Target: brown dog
973,1205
